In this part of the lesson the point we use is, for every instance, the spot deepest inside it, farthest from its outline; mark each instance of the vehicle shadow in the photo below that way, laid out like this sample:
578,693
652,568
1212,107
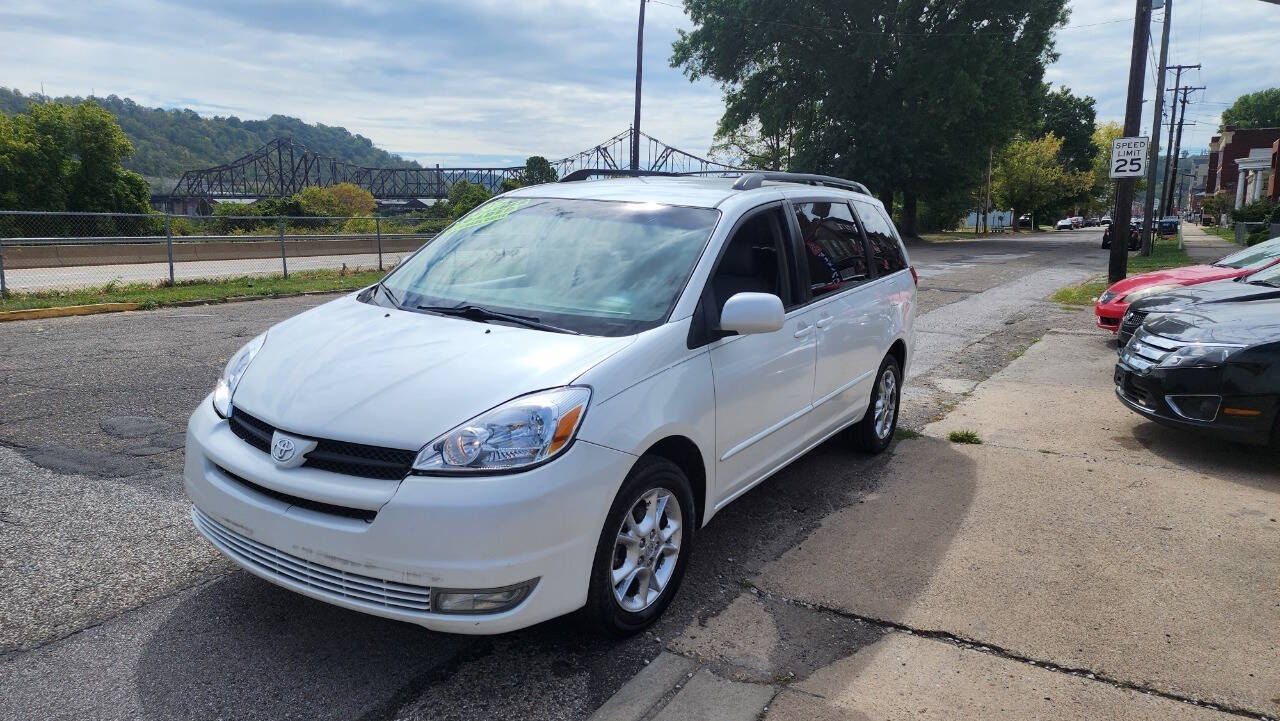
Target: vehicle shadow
1249,465
240,647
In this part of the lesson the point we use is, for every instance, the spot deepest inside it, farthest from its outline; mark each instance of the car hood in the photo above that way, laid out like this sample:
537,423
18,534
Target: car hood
1221,291
1188,275
1247,323
357,372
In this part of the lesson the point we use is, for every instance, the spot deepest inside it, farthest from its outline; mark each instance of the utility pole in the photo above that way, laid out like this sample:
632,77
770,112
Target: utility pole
1118,266
1149,203
1177,144
635,123
1166,177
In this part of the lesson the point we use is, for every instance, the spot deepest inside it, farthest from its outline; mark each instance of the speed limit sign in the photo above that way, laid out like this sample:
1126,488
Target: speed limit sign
1128,157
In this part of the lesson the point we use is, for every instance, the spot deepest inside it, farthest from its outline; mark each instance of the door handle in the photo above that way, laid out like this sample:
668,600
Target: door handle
802,331
825,321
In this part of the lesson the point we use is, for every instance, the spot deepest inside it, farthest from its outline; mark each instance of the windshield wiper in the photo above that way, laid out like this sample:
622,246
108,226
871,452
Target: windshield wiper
390,296
480,313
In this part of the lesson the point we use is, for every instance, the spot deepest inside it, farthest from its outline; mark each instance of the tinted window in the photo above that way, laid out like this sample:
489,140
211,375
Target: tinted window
750,262
833,247
597,267
886,254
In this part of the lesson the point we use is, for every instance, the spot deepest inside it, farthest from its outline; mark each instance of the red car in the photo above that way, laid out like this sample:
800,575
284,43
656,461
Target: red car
1111,306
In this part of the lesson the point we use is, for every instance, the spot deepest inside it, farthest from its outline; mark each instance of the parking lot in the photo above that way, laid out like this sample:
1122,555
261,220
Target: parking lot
1080,562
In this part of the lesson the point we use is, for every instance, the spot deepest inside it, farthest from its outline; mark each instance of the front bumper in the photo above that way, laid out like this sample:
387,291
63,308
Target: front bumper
1147,393
428,532
1110,314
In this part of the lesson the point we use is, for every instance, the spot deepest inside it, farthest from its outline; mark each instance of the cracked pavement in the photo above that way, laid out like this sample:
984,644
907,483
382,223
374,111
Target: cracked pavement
115,608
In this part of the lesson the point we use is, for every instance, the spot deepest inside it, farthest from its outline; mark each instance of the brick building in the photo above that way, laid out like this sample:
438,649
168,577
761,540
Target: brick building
1243,163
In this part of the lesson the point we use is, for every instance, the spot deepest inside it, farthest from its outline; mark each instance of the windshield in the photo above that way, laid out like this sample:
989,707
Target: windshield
1269,276
590,266
1255,256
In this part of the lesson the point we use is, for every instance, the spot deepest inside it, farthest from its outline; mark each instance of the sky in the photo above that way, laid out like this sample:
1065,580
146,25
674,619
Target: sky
490,82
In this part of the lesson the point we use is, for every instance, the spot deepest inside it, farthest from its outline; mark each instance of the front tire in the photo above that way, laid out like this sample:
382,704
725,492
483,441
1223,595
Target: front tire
874,432
643,549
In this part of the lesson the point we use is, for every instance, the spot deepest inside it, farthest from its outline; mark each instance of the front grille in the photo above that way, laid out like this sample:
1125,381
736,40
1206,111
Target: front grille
1145,350
350,459
328,582
1129,325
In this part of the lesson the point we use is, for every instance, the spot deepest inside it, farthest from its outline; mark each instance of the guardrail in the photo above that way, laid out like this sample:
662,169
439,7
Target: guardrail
51,251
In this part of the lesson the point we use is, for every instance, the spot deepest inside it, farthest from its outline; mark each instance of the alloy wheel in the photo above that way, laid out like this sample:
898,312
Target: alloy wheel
886,403
646,550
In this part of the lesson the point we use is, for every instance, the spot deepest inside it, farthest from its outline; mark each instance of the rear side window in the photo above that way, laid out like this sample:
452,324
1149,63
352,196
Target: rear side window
886,253
833,249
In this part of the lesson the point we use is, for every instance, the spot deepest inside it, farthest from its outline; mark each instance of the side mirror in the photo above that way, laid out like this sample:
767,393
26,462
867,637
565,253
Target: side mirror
748,313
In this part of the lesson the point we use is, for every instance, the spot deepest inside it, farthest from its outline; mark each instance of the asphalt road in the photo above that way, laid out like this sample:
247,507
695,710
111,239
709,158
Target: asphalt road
115,608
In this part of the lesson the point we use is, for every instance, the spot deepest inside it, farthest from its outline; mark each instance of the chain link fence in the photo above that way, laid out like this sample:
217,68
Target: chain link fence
42,251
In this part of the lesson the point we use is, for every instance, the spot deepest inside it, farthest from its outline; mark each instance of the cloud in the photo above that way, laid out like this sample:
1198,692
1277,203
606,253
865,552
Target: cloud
493,79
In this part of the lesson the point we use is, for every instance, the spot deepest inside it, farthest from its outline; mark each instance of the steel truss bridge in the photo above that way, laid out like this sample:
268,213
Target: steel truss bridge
282,168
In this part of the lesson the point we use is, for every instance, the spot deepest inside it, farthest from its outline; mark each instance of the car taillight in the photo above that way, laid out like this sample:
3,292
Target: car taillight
915,277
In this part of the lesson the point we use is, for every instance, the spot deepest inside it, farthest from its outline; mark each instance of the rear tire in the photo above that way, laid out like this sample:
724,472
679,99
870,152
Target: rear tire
646,542
875,431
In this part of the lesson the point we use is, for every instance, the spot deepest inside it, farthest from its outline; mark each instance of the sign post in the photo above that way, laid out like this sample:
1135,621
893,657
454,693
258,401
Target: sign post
1129,157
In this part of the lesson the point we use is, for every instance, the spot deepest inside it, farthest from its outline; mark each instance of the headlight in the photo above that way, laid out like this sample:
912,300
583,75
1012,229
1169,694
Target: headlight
231,375
520,433
1143,293
1199,355
1107,297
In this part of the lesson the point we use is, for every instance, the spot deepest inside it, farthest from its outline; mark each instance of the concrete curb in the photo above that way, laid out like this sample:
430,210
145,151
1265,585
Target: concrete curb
66,311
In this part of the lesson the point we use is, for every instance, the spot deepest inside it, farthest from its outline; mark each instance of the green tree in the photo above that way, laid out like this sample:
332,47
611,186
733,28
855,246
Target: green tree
905,96
537,170
1071,118
68,157
464,196
1029,175
340,200
1102,189
1254,110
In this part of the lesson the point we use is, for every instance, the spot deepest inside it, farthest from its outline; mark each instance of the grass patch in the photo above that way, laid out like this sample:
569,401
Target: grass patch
965,436
906,434
162,294
1164,254
1084,294
1221,231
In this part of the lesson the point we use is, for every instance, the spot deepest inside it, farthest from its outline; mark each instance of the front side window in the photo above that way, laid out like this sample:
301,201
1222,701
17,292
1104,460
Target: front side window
591,266
833,247
750,262
886,253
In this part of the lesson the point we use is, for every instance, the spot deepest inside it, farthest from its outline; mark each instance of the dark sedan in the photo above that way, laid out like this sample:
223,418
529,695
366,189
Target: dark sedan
1258,285
1212,367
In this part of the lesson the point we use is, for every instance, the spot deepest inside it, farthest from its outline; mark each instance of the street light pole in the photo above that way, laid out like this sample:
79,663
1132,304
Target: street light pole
1118,266
635,123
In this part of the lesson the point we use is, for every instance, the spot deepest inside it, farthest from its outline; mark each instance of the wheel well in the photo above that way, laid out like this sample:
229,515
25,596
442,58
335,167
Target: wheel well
684,453
899,350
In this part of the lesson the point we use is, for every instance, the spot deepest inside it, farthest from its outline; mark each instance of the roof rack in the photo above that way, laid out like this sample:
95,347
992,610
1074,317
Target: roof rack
586,173
753,178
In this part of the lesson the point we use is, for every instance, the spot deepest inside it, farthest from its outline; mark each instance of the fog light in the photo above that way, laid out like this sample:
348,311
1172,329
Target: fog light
480,600
1195,408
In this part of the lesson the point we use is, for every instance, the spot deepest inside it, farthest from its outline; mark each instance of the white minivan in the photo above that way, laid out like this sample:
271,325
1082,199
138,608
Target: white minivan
537,411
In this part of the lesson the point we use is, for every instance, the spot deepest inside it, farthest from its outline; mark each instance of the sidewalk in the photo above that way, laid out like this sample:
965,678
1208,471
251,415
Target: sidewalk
1080,563
1203,247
